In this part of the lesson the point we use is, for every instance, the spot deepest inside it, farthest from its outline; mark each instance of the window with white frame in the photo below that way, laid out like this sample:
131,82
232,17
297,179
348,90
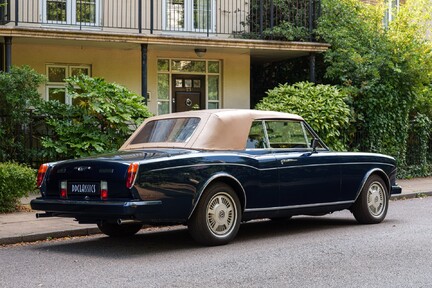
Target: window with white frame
190,15
392,8
210,68
71,12
56,86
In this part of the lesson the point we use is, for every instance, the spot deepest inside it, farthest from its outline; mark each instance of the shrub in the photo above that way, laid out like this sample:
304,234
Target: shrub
18,91
102,117
16,181
322,106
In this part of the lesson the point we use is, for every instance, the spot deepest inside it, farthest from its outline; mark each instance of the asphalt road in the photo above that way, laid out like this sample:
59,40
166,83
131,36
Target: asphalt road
327,251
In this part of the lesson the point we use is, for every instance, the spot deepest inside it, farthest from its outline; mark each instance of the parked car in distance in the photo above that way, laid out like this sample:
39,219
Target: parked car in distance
213,169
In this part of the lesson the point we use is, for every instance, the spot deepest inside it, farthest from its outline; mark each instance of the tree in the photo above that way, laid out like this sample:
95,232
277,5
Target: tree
18,93
383,68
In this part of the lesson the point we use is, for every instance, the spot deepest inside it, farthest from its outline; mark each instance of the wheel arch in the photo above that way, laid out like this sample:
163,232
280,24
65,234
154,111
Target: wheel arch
228,179
378,172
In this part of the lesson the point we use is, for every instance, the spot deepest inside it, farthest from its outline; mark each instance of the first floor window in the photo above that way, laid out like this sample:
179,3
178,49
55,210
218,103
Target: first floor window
57,73
83,12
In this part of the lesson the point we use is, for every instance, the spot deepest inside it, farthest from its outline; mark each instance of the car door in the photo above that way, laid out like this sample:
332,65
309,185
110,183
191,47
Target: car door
305,177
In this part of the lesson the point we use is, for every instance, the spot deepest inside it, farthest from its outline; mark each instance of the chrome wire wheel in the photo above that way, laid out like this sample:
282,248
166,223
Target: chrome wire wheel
221,214
376,199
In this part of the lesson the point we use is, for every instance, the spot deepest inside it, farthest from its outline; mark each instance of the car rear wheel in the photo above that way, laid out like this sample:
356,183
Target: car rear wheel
216,219
116,230
372,204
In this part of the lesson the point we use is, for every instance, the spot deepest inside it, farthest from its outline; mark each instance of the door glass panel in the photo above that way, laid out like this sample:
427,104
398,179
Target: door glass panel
163,65
163,86
256,138
213,66
287,134
201,13
56,10
175,14
86,11
213,105
163,107
188,66
213,87
188,83
179,83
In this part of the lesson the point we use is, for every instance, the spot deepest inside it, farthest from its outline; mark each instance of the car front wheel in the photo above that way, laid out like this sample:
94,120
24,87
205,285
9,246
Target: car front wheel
372,204
116,230
216,219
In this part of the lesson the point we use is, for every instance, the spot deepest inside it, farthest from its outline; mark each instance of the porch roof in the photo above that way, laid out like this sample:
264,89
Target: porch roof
259,50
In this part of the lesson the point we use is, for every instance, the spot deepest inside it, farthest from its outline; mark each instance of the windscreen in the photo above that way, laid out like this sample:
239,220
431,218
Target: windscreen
175,130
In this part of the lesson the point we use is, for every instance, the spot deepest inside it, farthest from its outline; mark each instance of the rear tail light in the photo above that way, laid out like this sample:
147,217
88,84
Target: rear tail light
131,174
41,175
63,189
104,190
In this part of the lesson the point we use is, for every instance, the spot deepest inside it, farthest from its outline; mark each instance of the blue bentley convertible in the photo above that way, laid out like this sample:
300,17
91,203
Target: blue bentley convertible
211,170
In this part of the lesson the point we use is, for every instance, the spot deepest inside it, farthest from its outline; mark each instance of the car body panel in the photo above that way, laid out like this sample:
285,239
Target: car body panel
172,176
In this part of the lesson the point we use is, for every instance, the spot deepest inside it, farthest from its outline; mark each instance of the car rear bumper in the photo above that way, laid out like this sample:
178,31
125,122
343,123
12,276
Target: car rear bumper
97,209
396,189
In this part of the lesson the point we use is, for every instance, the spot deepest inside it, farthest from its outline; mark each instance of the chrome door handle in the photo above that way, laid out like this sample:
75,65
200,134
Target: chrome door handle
284,161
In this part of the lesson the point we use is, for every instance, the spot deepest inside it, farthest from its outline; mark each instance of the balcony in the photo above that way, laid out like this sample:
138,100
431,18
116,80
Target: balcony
247,19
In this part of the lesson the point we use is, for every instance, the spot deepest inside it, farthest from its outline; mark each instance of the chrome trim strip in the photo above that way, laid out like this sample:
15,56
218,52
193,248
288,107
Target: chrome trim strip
297,206
273,168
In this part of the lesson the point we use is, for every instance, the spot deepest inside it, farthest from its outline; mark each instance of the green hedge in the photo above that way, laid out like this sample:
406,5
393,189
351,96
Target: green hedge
322,106
16,181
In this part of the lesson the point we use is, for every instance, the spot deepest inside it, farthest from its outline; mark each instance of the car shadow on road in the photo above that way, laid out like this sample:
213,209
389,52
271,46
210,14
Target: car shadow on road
168,239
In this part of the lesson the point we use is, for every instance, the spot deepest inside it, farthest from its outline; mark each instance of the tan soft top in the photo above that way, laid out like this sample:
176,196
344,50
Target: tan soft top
219,129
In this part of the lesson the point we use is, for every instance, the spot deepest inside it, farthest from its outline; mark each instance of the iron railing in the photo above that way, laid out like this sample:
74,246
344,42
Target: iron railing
235,18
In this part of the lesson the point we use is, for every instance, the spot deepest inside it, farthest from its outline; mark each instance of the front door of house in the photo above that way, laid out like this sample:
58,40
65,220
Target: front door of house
188,92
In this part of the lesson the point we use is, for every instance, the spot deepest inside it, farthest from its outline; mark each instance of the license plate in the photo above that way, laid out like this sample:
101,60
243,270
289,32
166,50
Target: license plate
83,188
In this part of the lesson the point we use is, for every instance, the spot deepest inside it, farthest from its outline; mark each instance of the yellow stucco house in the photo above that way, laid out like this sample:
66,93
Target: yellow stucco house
178,54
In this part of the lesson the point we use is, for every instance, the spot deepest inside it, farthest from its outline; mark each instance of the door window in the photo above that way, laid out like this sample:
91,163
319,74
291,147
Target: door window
280,134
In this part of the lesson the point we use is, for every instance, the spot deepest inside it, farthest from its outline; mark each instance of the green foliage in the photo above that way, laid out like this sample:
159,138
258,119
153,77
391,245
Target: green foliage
16,181
102,118
286,20
18,92
322,106
384,68
286,31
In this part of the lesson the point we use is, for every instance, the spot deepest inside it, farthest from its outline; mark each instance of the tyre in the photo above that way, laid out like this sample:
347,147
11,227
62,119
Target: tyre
372,204
116,230
216,219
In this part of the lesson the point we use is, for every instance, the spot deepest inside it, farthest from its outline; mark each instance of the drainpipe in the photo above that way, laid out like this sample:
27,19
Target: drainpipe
312,77
16,12
144,72
8,53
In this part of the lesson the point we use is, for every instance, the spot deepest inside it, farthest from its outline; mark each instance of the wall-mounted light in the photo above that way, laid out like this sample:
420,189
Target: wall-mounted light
200,52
